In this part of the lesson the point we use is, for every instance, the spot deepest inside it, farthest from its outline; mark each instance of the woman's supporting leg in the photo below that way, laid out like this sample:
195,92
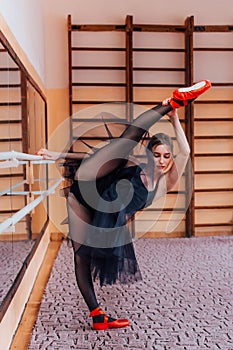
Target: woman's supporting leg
84,279
79,218
108,158
85,283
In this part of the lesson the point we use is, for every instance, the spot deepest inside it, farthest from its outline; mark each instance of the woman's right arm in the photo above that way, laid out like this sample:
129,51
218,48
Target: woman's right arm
181,159
52,155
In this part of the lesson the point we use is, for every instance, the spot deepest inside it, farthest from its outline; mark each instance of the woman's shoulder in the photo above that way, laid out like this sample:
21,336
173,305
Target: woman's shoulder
133,168
135,162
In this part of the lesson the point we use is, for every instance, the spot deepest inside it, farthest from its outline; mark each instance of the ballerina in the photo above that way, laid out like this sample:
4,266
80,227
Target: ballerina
100,203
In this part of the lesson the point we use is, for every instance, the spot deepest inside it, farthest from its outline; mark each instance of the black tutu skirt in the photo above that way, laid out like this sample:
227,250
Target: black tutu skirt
108,246
112,265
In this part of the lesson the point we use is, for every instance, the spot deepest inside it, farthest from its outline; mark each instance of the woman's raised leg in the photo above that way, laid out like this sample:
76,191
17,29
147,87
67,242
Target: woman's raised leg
108,158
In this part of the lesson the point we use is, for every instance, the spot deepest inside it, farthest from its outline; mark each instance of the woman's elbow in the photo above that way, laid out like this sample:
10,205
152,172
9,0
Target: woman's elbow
184,155
186,151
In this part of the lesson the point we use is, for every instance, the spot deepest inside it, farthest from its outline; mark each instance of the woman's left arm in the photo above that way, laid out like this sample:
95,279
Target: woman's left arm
181,159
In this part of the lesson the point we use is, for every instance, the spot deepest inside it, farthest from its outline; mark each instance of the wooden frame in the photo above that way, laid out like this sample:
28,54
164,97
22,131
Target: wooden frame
130,30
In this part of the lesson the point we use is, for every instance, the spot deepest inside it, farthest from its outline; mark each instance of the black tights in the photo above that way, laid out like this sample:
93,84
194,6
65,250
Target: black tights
84,281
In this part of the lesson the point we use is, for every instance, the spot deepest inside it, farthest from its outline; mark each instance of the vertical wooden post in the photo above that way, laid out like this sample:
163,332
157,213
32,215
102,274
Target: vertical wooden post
70,76
129,81
25,141
129,66
189,124
47,168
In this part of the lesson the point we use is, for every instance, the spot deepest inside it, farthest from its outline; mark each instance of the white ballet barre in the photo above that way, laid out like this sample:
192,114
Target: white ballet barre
10,222
13,159
13,163
24,193
8,190
42,161
18,155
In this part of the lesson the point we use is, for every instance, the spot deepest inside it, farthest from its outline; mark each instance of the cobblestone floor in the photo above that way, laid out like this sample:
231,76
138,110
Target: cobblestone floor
184,302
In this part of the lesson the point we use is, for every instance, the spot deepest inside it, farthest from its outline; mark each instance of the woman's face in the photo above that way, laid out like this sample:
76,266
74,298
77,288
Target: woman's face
162,157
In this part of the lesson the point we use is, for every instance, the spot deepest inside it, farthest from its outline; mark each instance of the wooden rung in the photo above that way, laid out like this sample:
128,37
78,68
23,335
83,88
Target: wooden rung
154,69
213,49
3,176
200,190
176,192
101,121
9,211
98,68
212,172
214,137
87,48
9,69
159,85
9,104
213,119
211,207
90,138
165,209
150,49
90,102
12,139
213,102
213,28
159,28
222,84
97,27
214,224
13,121
213,154
9,86
100,84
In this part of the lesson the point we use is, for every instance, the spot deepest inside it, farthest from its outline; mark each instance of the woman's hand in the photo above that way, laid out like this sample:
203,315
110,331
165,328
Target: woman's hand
46,154
173,114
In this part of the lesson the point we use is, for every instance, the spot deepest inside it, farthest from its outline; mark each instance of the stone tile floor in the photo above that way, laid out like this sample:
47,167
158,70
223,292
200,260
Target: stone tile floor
185,301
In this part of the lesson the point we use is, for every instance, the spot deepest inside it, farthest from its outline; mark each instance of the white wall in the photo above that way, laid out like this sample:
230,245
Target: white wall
40,25
25,20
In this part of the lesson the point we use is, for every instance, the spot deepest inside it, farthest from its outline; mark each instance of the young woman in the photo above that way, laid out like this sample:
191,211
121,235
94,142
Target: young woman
109,187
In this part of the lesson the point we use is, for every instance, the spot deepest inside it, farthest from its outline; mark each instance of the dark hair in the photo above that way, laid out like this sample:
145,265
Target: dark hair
160,139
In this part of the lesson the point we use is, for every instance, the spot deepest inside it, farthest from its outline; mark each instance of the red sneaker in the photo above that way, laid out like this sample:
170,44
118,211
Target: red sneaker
183,96
106,324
